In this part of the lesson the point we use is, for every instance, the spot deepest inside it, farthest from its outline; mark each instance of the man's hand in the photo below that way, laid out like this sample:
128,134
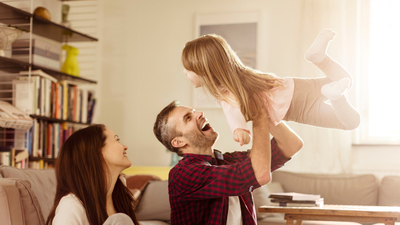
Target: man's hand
288,141
241,136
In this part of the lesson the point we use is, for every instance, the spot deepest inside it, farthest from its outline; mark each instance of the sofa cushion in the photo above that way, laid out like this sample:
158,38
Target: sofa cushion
154,203
344,189
136,184
10,203
41,187
389,194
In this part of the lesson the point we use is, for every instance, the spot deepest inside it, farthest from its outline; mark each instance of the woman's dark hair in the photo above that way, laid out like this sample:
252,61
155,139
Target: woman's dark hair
81,170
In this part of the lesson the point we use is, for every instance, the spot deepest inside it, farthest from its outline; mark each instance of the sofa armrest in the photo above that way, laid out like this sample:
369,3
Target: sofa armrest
10,203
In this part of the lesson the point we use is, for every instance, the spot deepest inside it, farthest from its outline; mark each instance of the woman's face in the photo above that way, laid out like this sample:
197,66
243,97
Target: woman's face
114,152
194,78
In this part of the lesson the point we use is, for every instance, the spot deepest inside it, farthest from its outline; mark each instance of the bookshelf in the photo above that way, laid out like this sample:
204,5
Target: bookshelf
37,142
21,19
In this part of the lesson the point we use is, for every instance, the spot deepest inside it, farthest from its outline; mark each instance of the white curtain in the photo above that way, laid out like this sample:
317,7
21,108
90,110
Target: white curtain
326,150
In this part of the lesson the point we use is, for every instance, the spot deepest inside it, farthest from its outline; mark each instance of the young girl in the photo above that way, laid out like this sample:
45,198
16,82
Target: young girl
210,62
90,190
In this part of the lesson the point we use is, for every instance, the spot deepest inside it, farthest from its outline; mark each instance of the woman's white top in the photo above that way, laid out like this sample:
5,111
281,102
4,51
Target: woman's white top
70,210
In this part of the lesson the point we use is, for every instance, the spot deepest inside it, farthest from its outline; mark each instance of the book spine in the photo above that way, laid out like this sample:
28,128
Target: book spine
65,101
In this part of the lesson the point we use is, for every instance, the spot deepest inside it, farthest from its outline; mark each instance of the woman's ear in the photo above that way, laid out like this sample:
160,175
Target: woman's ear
178,142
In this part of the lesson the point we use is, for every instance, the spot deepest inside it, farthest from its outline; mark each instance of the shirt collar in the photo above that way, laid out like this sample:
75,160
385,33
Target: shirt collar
218,158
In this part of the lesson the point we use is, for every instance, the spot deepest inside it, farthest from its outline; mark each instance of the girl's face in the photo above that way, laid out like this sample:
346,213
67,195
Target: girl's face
114,152
196,80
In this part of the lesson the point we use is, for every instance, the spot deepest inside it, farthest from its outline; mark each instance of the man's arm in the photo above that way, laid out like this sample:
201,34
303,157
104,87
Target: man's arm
260,154
287,140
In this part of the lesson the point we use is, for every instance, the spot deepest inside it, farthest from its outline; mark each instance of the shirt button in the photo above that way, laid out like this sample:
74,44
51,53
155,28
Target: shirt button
251,189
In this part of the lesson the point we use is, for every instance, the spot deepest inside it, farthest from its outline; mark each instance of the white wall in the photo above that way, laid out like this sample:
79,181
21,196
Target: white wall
142,73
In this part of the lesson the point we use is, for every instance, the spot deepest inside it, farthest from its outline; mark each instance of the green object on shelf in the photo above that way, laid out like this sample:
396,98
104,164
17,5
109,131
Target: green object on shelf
71,65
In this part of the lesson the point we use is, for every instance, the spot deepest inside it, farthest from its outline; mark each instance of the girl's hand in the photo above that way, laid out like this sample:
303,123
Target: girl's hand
241,136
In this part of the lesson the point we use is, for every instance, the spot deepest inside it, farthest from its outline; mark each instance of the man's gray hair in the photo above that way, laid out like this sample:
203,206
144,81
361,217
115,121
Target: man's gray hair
166,132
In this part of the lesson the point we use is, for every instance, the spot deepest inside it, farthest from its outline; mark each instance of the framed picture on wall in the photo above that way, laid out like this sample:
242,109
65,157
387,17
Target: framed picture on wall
240,30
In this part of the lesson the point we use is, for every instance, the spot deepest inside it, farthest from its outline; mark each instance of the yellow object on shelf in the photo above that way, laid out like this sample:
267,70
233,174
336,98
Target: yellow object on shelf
161,172
71,65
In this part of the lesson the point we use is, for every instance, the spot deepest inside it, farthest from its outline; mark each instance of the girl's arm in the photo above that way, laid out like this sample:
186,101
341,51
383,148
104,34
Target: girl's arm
236,123
234,117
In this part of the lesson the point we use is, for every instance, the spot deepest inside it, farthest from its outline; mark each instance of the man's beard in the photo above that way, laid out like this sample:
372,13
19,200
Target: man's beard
201,141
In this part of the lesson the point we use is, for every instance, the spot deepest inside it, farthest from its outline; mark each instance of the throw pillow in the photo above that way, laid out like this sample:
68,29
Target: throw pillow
154,202
31,206
42,184
389,194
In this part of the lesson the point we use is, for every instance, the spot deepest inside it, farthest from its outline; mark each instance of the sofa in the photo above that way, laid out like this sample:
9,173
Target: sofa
341,189
27,195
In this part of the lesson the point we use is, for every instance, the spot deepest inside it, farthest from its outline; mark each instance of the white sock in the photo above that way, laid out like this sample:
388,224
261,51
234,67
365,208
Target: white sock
335,89
317,51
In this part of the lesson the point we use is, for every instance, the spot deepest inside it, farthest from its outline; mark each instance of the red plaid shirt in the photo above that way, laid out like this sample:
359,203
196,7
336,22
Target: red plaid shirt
199,186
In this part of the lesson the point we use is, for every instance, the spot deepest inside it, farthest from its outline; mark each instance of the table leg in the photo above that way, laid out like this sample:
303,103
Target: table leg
299,222
289,222
390,222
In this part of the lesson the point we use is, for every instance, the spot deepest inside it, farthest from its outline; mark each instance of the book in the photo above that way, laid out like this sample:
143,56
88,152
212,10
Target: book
298,203
21,155
66,98
35,140
21,139
295,196
84,107
24,95
46,90
39,73
5,155
5,158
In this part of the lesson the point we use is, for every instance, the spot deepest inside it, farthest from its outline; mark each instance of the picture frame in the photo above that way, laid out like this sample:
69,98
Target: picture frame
241,31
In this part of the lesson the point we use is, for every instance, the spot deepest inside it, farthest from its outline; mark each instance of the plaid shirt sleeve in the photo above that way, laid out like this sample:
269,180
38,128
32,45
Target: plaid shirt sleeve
277,158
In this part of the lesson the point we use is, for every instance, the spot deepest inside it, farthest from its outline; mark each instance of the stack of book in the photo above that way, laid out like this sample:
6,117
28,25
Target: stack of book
294,199
42,95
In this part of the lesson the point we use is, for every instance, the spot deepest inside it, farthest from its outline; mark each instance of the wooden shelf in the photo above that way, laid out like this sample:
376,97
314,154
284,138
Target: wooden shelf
46,28
51,160
14,66
56,120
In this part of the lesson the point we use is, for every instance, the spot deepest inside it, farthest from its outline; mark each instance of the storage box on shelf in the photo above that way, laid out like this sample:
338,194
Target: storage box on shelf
44,52
57,103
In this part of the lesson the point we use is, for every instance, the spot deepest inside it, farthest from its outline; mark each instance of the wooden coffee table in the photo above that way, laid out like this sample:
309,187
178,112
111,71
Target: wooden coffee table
361,214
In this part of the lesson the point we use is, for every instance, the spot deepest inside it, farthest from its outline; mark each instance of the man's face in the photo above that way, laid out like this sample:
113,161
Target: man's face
196,132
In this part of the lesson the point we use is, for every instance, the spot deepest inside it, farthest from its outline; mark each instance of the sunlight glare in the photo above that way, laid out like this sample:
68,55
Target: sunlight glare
384,72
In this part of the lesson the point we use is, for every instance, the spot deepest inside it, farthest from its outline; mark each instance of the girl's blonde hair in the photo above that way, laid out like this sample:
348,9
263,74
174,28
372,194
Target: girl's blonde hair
211,58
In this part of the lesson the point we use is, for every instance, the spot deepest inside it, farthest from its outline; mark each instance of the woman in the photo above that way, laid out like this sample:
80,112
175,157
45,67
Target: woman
89,187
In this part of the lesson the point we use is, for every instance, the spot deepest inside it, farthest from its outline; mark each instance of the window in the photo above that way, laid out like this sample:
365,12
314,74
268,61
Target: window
380,90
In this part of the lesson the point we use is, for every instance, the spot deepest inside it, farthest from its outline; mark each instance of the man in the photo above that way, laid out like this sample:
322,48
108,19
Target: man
207,187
